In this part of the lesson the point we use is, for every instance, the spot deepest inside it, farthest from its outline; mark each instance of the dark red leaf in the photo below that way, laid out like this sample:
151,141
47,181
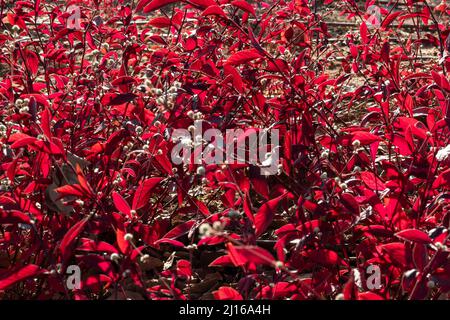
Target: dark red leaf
244,5
144,191
121,204
28,271
227,293
414,235
265,215
242,57
70,238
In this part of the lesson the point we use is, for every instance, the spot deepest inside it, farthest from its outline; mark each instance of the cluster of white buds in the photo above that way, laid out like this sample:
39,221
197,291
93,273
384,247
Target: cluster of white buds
217,226
194,115
5,182
206,230
22,104
167,99
145,258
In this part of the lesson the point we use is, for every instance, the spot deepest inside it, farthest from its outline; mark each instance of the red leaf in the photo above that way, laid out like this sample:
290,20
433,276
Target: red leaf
141,4
125,80
365,138
324,257
244,56
265,215
390,18
396,251
414,235
32,61
90,245
184,268
442,180
372,181
83,182
114,99
45,122
420,256
403,146
179,230
143,192
70,190
244,5
28,271
222,261
123,244
155,4
409,104
227,293
26,140
364,32
121,204
70,238
242,255
385,51
350,203
11,171
203,3
160,22
13,217
214,10
369,296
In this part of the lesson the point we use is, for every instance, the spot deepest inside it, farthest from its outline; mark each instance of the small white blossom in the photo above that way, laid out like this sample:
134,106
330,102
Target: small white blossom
128,237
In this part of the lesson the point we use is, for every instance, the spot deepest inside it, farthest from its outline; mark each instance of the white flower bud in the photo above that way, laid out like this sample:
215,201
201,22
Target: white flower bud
201,170
128,237
139,130
114,257
204,229
356,143
145,258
